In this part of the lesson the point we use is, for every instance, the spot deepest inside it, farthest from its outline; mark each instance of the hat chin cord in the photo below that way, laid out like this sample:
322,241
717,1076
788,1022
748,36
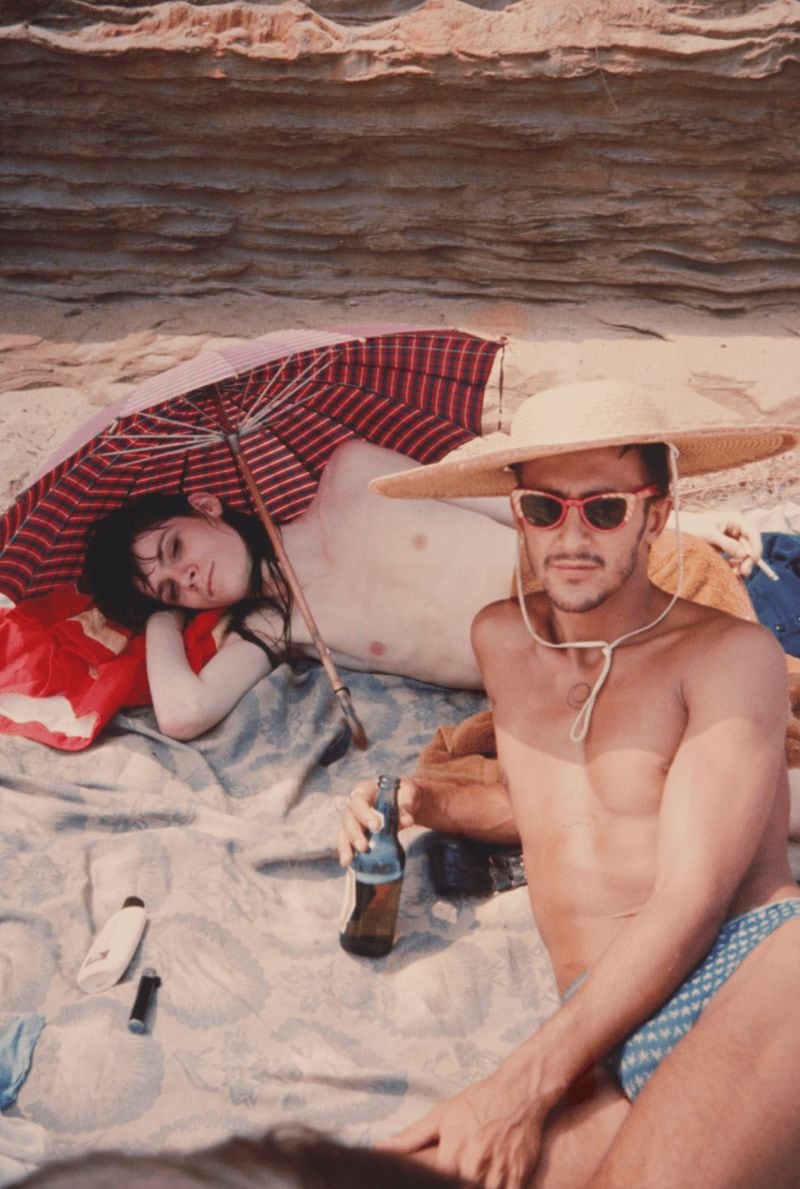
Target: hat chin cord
580,727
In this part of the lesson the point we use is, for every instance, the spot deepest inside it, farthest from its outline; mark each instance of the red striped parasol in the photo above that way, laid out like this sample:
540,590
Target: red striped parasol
260,418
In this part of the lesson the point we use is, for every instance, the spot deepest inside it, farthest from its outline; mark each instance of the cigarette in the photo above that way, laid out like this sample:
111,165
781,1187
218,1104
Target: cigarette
768,570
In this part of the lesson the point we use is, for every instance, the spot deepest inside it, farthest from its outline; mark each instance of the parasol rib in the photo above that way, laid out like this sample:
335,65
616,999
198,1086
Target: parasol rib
266,403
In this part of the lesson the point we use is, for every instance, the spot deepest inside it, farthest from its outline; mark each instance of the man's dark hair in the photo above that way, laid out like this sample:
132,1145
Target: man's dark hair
655,456
110,569
295,1158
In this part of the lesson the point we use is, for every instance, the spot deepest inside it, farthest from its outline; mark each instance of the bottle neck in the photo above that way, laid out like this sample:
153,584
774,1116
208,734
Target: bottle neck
386,802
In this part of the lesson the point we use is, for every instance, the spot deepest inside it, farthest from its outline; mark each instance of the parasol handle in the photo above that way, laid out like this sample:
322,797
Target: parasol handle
339,688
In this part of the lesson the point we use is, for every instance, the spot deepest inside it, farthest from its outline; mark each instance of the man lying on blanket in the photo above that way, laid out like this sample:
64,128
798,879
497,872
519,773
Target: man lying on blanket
641,744
394,587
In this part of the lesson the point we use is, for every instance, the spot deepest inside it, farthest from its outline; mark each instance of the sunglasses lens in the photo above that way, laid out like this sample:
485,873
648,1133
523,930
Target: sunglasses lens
542,511
606,512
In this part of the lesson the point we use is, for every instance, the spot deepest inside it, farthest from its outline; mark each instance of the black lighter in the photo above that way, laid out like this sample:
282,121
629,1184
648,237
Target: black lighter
148,984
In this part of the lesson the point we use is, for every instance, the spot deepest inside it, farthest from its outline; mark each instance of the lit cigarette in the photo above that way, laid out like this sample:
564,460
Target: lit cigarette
768,570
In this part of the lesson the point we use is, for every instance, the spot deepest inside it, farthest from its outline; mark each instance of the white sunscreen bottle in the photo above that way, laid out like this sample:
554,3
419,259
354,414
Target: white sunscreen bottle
113,948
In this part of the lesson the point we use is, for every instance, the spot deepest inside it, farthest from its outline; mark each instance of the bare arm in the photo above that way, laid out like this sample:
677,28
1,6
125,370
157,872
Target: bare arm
727,530
716,803
452,806
187,703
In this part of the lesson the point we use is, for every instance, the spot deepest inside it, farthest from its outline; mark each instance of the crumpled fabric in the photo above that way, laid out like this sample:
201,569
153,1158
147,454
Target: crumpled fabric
778,603
18,1037
65,670
23,1147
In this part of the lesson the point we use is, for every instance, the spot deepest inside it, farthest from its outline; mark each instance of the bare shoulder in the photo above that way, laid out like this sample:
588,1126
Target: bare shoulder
707,628
356,462
735,657
497,623
502,611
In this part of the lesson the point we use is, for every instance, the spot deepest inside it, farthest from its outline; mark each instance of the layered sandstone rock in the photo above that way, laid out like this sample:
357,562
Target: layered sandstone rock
542,149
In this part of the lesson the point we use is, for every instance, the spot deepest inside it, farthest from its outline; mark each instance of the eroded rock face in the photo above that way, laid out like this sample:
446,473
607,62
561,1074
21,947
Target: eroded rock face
537,150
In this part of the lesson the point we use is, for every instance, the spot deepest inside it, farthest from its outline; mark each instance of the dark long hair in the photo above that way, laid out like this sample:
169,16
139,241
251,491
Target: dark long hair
110,569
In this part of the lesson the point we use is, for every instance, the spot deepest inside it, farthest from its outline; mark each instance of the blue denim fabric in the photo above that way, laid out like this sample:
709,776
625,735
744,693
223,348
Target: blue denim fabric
17,1041
777,604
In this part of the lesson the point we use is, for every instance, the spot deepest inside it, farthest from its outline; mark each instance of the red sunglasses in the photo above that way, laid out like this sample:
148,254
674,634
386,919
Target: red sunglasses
603,513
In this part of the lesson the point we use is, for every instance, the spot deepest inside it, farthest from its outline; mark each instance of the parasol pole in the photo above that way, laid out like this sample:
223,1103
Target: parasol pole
339,688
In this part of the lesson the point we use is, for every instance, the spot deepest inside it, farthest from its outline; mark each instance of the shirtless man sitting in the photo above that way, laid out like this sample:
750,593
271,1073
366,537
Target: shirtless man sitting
645,777
394,587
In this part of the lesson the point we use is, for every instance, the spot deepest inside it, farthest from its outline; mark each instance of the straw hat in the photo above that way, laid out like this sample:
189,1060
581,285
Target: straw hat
589,416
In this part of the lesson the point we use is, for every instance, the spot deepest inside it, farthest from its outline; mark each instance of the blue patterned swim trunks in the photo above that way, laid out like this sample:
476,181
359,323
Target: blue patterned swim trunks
635,1061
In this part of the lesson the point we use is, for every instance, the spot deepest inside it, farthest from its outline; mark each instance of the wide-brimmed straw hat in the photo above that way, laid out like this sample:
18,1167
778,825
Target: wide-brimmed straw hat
590,416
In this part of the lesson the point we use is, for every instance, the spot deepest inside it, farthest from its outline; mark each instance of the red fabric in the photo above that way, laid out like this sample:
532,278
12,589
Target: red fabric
65,671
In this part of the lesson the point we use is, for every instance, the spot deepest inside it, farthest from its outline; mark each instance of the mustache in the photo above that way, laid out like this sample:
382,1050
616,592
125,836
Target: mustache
592,558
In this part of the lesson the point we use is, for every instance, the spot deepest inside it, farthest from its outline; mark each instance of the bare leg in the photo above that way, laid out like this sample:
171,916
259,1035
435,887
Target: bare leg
577,1135
580,1132
721,1110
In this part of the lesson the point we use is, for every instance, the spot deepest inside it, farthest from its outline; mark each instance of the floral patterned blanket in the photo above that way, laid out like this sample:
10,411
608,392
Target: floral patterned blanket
261,1017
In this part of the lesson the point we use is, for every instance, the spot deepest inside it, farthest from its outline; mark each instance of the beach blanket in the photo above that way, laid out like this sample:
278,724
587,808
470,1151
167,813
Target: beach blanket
261,1018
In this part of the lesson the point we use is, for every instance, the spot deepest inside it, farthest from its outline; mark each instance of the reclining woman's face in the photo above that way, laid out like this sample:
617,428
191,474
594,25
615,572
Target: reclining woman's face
197,561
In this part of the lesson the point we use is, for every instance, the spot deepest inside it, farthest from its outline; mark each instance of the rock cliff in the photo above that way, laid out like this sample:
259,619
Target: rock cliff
537,150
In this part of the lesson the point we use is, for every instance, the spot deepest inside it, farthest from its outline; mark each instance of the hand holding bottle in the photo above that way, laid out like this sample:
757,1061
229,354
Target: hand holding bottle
360,819
374,880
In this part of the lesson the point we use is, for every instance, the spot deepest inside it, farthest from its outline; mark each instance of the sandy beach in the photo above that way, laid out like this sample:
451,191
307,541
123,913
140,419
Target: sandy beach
60,362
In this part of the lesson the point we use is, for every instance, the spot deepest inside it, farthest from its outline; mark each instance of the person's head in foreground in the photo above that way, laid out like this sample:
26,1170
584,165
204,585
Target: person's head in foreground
291,1158
186,551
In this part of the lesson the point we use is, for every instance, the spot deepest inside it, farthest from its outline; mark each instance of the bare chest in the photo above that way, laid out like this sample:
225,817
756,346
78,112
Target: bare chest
395,586
617,772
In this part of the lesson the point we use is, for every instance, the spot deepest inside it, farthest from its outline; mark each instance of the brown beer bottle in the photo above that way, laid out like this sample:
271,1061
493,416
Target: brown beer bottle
374,880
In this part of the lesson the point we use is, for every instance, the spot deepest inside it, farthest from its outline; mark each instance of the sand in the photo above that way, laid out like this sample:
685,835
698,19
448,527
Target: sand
60,362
